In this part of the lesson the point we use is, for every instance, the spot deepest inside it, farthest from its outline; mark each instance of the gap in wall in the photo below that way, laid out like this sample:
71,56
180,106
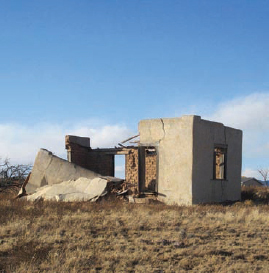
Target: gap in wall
120,166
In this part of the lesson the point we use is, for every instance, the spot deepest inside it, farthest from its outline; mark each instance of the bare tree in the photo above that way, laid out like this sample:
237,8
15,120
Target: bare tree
13,174
264,172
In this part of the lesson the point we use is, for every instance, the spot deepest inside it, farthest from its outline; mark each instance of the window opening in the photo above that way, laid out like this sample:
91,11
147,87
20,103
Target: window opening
220,163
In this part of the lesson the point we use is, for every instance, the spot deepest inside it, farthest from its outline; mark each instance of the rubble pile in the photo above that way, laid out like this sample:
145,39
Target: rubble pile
55,179
82,189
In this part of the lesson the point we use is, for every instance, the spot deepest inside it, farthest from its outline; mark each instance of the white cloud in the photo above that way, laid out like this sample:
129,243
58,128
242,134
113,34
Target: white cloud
105,136
251,114
21,143
251,173
248,113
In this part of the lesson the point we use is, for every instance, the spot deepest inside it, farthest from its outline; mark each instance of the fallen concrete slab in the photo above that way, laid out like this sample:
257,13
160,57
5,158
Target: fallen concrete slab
49,169
82,189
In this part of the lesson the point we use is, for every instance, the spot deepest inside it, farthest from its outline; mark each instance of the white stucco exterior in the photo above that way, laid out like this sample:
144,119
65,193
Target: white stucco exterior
185,169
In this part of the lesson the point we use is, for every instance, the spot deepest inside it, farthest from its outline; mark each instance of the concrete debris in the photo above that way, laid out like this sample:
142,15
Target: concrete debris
82,189
131,199
53,178
86,189
49,169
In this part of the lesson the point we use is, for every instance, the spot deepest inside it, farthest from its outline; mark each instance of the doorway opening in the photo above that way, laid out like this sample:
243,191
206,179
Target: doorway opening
120,166
148,162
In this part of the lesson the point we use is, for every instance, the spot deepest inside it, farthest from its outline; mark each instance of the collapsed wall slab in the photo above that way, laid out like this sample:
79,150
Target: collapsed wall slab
49,169
82,189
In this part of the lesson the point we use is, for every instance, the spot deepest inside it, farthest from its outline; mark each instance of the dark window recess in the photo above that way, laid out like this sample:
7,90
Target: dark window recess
220,163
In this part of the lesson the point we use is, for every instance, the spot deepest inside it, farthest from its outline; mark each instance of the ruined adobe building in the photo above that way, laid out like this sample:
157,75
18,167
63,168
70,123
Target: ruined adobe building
184,160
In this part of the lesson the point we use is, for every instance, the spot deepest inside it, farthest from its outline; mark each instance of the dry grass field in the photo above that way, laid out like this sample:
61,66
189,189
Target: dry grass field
112,236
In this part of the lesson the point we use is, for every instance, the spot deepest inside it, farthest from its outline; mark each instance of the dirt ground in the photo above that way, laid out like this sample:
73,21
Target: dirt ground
112,236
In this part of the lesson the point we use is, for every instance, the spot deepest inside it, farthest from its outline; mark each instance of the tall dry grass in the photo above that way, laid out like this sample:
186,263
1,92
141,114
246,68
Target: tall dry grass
111,236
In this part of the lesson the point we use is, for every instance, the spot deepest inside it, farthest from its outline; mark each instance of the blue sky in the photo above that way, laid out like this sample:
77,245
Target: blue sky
101,66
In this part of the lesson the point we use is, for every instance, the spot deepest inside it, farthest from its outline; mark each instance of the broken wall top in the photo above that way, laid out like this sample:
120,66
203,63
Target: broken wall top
82,141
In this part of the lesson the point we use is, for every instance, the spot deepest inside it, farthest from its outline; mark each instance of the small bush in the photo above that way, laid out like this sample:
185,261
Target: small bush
256,194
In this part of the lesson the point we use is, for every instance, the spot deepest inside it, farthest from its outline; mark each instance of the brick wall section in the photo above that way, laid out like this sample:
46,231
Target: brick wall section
104,164
131,169
151,171
92,159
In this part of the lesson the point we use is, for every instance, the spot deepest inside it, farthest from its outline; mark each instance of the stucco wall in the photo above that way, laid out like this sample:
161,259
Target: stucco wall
173,139
205,188
49,169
